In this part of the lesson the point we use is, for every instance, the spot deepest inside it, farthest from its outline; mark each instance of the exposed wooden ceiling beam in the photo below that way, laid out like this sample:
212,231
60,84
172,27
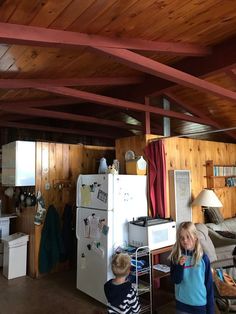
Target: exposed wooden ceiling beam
173,99
39,36
232,74
50,102
166,72
109,101
172,87
200,67
103,100
9,124
67,116
86,81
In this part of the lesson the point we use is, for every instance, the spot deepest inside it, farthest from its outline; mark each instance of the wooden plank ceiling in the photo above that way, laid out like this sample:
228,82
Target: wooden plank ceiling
101,68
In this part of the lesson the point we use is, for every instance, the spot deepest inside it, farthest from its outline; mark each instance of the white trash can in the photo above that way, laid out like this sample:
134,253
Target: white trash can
15,255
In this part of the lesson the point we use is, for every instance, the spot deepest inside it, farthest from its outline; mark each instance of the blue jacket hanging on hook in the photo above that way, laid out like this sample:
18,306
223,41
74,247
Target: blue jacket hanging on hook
51,247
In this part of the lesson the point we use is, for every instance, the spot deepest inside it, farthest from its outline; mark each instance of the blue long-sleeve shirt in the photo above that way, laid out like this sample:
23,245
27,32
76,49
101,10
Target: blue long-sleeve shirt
193,286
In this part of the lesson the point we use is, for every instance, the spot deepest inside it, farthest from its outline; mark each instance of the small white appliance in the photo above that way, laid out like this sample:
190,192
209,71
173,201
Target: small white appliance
154,233
105,205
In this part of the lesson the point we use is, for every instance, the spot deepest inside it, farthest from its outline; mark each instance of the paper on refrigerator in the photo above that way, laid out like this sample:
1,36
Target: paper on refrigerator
85,195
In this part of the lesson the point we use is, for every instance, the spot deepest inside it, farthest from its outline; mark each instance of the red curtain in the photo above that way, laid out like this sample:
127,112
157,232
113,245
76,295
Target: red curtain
155,154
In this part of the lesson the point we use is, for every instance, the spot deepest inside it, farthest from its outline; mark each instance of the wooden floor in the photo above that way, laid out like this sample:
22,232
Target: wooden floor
52,294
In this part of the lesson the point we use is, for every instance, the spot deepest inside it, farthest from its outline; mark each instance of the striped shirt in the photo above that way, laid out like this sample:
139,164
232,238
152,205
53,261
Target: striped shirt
122,298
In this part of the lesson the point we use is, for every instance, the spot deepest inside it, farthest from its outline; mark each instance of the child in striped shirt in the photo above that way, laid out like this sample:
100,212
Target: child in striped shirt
121,296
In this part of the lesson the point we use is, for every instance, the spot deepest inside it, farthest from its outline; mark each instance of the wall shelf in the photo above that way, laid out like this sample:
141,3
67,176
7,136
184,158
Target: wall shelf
219,176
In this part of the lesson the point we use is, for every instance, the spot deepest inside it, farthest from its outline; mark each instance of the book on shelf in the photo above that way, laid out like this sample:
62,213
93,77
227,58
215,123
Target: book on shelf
162,267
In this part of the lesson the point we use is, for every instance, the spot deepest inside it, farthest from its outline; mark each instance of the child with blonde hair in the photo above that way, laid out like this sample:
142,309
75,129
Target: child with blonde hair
191,273
120,294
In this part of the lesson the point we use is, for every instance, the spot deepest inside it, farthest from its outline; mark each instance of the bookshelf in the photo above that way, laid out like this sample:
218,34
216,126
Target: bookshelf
220,176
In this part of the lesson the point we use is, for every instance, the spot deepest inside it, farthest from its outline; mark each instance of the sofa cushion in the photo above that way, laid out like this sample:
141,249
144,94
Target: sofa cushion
206,242
228,224
226,234
214,215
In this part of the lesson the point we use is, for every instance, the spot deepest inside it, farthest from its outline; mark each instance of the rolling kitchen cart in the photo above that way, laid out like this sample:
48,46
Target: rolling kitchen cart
142,276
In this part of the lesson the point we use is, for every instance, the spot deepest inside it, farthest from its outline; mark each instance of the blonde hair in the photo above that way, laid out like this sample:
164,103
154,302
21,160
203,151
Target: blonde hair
121,264
177,250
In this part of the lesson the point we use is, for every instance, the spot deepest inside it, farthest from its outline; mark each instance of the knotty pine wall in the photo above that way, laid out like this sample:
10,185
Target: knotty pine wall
58,164
134,143
192,155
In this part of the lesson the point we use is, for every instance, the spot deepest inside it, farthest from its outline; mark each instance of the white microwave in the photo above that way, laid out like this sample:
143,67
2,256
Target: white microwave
154,233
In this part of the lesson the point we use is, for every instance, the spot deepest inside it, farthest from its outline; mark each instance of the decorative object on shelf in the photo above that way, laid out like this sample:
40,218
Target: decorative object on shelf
136,166
129,155
207,198
112,170
230,181
116,165
102,166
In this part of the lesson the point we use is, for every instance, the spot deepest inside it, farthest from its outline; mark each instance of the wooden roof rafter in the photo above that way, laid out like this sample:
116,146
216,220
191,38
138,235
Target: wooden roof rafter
22,34
118,49
39,36
155,68
103,100
202,67
114,102
231,73
38,127
50,102
173,99
83,81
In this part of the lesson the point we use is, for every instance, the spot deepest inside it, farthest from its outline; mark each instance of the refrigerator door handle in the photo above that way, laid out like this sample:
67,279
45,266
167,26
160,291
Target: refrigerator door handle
78,185
77,223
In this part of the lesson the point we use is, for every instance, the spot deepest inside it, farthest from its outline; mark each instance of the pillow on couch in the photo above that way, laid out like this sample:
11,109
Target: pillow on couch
214,215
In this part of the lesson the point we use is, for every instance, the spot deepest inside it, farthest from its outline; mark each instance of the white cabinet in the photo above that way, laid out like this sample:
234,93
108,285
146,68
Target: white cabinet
18,163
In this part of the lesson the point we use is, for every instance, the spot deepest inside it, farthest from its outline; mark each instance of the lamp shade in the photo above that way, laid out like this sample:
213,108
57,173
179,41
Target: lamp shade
207,198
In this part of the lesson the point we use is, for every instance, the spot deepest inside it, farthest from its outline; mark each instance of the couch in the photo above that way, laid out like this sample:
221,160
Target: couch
222,241
218,248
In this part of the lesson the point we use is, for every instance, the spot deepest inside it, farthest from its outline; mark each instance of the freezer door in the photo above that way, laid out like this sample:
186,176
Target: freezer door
130,201
95,191
94,252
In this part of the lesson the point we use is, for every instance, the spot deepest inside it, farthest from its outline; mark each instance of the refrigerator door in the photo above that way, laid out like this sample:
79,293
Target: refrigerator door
95,247
130,201
95,191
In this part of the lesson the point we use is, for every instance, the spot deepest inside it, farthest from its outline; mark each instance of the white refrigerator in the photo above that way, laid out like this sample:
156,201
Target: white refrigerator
105,205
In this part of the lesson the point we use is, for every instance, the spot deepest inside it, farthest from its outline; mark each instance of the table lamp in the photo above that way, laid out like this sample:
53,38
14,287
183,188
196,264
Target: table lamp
207,198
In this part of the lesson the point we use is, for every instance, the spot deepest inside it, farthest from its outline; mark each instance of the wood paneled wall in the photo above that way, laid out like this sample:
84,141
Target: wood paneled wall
57,169
134,143
92,156
190,154
59,165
